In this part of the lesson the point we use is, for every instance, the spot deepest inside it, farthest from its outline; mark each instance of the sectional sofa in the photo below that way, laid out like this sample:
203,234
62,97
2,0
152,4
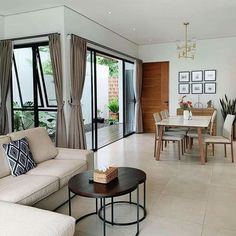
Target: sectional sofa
43,187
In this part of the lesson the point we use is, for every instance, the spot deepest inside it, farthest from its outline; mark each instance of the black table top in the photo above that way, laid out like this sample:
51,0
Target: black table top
127,181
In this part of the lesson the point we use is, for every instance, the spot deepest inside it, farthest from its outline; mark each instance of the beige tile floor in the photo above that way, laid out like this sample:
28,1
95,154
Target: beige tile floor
184,198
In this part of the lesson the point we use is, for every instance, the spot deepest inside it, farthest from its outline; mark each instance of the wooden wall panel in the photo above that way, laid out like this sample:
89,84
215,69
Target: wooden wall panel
155,92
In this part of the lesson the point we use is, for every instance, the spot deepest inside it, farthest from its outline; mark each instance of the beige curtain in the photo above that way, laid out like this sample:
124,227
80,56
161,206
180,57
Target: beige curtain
78,68
6,51
55,53
138,77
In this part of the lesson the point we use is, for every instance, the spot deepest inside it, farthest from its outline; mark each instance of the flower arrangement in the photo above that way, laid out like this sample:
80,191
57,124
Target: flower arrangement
185,105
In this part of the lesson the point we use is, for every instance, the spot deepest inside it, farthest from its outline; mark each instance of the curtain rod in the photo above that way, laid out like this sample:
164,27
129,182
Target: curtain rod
31,37
105,47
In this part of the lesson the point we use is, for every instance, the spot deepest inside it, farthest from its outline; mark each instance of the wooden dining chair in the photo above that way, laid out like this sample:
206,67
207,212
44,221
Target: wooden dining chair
226,137
166,113
193,134
163,115
167,136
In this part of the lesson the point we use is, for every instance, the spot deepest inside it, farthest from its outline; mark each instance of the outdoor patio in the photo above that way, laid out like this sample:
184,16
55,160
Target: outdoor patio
106,135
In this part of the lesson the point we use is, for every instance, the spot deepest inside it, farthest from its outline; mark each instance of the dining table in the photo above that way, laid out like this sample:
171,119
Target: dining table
197,122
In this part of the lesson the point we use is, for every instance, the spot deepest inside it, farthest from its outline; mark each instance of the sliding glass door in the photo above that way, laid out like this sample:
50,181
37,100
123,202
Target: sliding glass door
107,90
129,98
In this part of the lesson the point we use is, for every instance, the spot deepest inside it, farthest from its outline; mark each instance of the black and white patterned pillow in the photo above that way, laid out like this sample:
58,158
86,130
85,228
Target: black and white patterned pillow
19,156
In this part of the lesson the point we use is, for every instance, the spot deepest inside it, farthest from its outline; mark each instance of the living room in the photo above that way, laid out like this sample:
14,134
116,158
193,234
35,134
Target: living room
138,53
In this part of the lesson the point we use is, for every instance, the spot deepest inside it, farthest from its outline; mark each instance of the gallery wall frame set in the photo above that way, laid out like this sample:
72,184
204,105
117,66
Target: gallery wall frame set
184,88
207,77
210,88
197,76
184,76
197,88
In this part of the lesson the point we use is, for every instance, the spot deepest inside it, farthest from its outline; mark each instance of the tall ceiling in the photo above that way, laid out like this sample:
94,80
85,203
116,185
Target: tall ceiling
146,21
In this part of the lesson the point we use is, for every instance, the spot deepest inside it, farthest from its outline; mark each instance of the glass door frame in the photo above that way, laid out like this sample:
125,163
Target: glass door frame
93,78
124,100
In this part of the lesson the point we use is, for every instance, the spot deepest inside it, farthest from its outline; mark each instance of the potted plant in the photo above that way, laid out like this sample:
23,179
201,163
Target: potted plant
113,107
228,106
99,116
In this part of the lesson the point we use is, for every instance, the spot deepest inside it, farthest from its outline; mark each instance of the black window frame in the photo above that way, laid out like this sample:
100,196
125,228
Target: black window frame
38,89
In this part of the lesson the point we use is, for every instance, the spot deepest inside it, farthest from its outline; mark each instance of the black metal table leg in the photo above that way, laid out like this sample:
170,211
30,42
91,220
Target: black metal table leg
130,198
144,195
112,211
96,205
69,202
89,214
104,216
137,210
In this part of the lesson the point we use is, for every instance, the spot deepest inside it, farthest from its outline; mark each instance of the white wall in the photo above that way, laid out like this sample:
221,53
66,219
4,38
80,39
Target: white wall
34,23
81,26
1,27
219,54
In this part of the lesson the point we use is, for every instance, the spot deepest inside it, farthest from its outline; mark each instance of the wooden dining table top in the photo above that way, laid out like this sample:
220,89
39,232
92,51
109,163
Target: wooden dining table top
178,121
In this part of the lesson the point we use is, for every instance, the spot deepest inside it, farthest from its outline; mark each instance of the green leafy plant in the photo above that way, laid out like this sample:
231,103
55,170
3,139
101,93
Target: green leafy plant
113,105
111,63
228,106
25,119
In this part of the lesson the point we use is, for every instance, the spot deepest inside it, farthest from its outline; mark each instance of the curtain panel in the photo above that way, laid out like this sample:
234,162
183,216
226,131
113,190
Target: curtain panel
6,52
56,59
138,77
78,52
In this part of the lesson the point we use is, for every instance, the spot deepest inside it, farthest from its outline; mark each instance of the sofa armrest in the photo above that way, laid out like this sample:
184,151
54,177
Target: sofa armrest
76,154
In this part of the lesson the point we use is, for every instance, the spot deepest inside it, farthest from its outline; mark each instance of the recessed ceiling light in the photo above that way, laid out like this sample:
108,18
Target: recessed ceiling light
109,12
134,29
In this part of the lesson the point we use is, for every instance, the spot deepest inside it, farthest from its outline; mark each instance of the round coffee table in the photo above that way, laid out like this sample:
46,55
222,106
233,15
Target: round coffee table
128,180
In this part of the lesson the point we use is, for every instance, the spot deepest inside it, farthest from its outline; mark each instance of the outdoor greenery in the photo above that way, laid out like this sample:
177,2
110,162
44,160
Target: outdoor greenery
111,63
46,65
113,105
25,119
228,106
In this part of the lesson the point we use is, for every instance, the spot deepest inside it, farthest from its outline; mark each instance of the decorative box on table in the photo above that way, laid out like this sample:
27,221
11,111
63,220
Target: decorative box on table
104,177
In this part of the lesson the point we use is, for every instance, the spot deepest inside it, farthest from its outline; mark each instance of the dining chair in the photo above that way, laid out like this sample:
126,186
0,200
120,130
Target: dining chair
226,137
193,134
164,115
167,136
179,130
167,113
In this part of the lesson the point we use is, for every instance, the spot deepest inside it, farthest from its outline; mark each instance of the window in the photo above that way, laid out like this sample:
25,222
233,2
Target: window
33,89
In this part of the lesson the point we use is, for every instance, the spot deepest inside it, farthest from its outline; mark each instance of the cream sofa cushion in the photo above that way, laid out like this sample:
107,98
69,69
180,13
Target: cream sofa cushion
27,189
28,221
40,144
63,169
4,167
76,154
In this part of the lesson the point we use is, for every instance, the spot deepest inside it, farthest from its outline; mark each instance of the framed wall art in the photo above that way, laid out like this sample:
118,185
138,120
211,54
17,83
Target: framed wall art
184,88
210,75
184,76
210,88
197,88
197,76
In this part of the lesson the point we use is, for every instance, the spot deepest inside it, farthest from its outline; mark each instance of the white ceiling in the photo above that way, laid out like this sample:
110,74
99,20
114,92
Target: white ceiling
147,21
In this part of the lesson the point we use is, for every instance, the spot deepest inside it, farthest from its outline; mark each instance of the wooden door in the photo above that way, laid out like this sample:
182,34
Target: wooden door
155,92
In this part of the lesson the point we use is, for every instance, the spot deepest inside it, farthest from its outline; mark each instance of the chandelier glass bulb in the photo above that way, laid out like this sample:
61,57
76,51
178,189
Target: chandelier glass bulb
188,48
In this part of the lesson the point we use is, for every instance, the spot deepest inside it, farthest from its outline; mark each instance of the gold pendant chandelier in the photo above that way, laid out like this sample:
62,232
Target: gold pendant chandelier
187,49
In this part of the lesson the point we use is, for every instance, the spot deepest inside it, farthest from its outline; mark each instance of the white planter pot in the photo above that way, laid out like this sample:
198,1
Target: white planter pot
186,115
